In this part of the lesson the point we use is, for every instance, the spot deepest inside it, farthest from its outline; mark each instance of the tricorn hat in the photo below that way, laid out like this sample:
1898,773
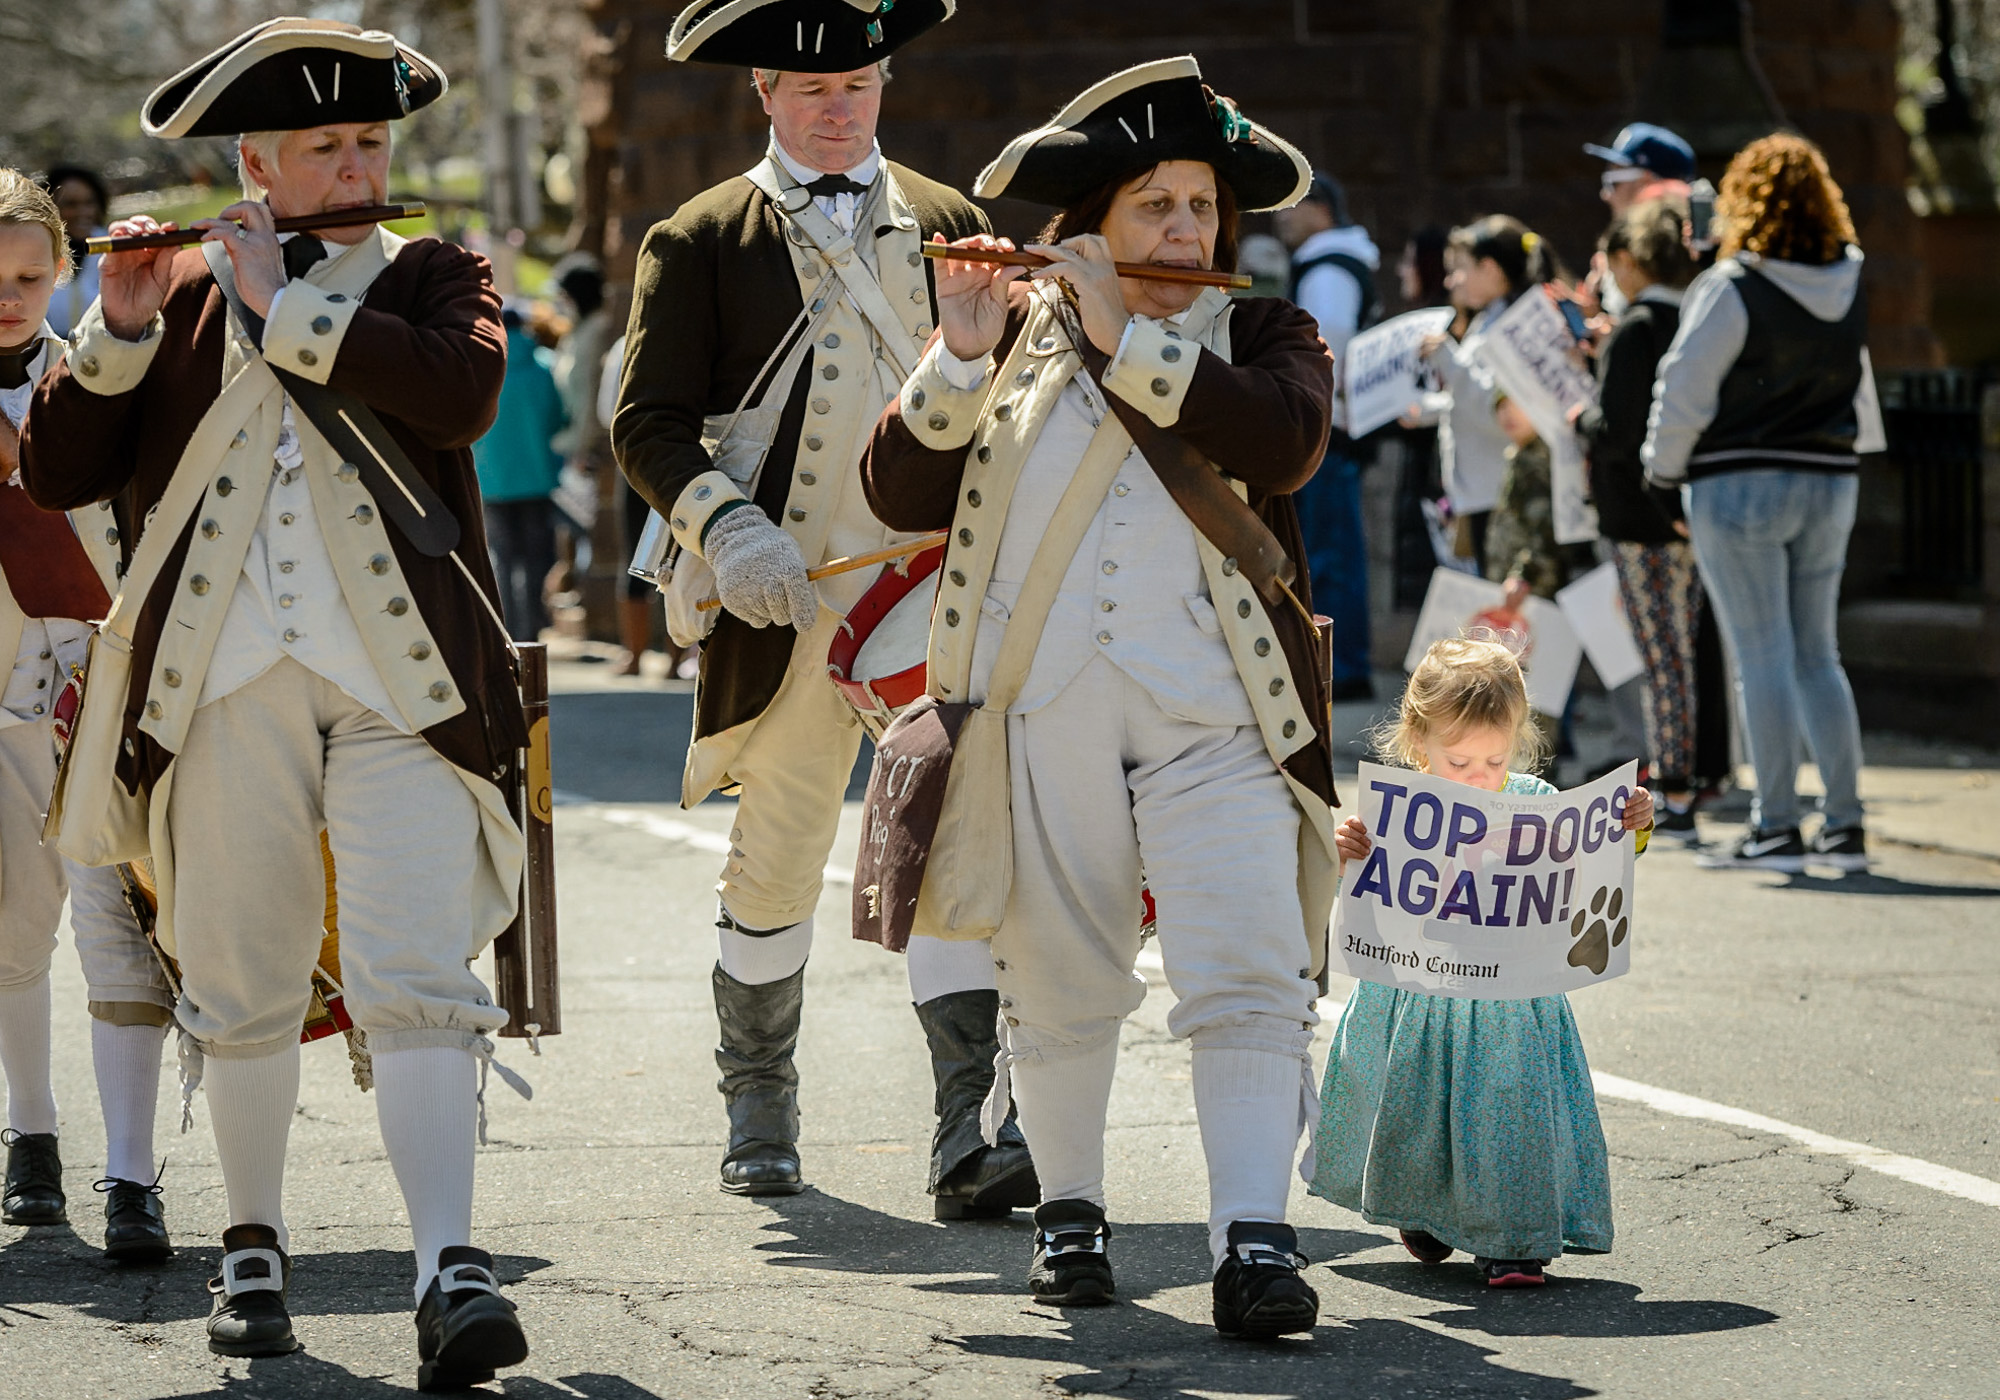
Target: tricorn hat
801,36
292,74
1135,119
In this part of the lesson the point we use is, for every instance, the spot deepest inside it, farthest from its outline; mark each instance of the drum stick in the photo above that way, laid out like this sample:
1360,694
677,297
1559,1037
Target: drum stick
304,223
857,561
1142,272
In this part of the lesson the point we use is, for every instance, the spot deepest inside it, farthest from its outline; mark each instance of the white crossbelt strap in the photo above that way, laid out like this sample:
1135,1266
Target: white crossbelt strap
797,207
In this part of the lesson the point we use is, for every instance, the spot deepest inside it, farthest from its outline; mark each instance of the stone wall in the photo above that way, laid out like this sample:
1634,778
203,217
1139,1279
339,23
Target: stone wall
1428,110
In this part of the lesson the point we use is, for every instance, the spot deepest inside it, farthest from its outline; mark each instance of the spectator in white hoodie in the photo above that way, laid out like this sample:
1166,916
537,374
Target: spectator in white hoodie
1333,276
1760,412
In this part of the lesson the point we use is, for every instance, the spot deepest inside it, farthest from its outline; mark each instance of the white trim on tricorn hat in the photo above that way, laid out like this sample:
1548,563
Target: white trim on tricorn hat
292,74
800,36
1172,115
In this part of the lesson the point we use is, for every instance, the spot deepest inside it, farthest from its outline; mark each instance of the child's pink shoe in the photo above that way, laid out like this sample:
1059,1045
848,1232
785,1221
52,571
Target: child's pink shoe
1513,1273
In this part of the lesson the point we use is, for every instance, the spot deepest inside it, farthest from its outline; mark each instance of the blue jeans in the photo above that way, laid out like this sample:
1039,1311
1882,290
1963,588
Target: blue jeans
1329,509
1772,546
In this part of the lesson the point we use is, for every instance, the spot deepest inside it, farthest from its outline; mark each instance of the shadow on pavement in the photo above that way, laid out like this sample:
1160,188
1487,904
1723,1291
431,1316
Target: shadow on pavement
1140,1352
302,1375
1884,885
1567,1307
590,1385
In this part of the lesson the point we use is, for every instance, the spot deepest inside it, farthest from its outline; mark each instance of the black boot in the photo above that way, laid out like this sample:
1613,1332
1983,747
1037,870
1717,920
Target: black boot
135,1228
1071,1265
969,1179
760,1084
465,1329
34,1180
249,1317
1258,1289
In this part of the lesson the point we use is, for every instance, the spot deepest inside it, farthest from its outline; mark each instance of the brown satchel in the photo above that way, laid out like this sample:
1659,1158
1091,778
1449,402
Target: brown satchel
937,834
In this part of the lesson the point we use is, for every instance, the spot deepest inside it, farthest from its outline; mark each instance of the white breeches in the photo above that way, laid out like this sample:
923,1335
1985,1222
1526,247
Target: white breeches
118,966
262,771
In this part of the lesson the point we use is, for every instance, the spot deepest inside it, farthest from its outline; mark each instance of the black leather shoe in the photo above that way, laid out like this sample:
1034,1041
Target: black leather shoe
1071,1267
763,1169
1258,1290
465,1329
135,1227
249,1316
970,1180
34,1180
992,1183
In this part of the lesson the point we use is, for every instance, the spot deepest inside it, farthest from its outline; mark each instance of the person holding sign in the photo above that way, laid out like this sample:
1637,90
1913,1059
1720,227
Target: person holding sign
1466,1124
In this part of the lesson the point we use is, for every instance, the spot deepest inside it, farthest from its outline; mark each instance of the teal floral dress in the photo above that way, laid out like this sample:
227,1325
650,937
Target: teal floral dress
1473,1121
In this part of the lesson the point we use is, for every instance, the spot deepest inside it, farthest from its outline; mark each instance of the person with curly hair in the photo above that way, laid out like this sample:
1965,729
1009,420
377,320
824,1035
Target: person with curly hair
1759,416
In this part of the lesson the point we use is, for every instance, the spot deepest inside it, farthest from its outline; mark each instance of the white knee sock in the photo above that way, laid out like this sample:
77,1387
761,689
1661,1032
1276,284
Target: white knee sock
1063,1104
251,1103
426,1100
940,966
24,1056
128,1086
1247,1103
757,959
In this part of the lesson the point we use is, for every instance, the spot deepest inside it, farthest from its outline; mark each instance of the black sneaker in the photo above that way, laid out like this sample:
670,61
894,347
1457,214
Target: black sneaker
1513,1273
1425,1247
135,1228
1071,1267
1676,828
1258,1289
249,1317
1843,850
34,1192
1761,850
465,1329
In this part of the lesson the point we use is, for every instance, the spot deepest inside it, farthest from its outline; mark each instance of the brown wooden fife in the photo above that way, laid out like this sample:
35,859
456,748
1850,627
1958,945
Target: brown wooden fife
336,218
1142,272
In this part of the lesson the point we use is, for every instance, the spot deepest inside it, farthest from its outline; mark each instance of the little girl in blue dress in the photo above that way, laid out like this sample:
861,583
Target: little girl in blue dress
1466,1125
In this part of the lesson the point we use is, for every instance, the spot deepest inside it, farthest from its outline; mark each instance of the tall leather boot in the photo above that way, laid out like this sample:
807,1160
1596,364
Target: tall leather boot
760,1084
970,1180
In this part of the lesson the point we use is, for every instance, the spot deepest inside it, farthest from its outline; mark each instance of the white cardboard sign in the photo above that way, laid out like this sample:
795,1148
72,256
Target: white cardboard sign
1380,372
1459,605
1528,353
1595,608
1488,895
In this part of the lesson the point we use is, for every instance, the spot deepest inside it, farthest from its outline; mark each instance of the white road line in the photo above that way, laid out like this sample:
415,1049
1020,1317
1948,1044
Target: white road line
689,835
1911,1169
1914,1170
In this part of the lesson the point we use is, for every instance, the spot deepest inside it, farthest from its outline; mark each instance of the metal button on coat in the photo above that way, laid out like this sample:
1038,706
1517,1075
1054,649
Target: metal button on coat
111,536
1121,489
287,518
985,453
241,439
286,567
1291,728
830,372
973,498
939,422
1243,607
916,398
1104,638
379,564
1108,606
1025,378
223,486
337,299
1278,686
439,691
923,330
291,635
958,578
916,259
285,600
822,405
1228,567
832,341
420,651
916,294
797,513
1262,646
814,443
702,493
1161,388
198,585
171,677
398,606
1171,354
951,617
347,471
364,513
965,537
307,358
1047,342
1004,412
808,479
1110,566
209,529
154,709
322,325
87,366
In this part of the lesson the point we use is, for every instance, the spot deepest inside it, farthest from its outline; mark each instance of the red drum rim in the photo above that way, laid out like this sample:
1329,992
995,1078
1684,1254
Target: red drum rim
877,693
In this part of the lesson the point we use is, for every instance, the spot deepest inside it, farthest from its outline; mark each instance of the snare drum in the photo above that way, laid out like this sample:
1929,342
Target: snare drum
879,655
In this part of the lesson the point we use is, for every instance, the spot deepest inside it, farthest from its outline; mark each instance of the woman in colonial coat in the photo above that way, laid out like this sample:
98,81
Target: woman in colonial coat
1171,723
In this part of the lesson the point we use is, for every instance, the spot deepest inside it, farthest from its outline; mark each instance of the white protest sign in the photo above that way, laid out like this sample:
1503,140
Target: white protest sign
1380,372
1595,607
1488,895
1528,353
1458,605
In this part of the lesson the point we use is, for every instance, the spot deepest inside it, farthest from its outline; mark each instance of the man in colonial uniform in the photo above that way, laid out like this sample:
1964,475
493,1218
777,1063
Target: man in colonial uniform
773,318
315,645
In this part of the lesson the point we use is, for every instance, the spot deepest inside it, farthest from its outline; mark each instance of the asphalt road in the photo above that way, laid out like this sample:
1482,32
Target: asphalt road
1864,1009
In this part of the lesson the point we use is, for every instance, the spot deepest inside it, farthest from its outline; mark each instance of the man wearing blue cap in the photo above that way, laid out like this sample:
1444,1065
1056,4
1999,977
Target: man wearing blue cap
1645,162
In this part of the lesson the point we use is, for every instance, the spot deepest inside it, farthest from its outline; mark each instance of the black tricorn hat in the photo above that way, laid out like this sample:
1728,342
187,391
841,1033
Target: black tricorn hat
801,36
1132,120
292,74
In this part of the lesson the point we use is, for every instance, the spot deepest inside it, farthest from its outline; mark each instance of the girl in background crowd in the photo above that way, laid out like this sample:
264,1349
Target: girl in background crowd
1466,1125
1490,262
1646,256
1759,417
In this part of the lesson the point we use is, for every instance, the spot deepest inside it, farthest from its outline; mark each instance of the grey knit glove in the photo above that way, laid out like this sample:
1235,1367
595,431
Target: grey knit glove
760,574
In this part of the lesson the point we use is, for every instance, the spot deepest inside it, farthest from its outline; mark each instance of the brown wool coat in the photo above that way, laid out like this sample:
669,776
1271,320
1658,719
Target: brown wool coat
426,351
1261,416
